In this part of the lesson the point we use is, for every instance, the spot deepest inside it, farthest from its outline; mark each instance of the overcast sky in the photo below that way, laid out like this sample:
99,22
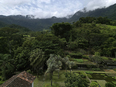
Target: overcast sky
49,8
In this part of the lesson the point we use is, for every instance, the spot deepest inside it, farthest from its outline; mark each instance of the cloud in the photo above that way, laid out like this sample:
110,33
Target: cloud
94,4
49,8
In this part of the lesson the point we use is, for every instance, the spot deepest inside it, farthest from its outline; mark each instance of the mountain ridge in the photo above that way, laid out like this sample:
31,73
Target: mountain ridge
37,24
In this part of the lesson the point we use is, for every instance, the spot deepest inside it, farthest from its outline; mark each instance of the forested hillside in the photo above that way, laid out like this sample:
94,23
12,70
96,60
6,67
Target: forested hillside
32,24
30,50
103,12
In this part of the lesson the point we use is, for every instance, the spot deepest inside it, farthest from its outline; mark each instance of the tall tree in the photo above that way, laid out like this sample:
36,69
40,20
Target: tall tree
54,64
7,33
37,59
62,30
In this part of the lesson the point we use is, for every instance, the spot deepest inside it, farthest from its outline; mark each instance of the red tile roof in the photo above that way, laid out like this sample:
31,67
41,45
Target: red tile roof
22,79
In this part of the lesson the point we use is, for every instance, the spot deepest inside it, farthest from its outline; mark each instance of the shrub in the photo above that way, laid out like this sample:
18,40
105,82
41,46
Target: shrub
85,57
75,66
114,59
104,58
83,74
87,81
109,84
97,53
102,74
76,55
89,76
114,82
94,84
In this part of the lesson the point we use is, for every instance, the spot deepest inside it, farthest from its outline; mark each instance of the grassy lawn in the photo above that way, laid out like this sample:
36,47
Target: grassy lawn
45,82
102,83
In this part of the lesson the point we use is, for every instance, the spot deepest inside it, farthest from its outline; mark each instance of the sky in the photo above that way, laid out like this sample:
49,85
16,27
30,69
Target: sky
49,8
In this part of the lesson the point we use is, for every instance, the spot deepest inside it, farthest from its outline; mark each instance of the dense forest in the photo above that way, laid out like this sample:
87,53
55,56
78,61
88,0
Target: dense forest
22,49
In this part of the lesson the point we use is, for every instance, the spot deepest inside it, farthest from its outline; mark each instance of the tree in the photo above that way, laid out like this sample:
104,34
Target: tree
68,63
21,58
71,63
54,64
37,59
8,33
6,65
75,81
62,30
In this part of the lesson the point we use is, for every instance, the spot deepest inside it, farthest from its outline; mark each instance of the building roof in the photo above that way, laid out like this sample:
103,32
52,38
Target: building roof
22,79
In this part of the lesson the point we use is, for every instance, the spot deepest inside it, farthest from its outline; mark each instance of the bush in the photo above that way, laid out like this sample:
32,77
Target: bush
87,81
102,74
109,84
104,58
83,74
75,66
79,60
89,76
94,84
97,53
114,82
76,55
85,57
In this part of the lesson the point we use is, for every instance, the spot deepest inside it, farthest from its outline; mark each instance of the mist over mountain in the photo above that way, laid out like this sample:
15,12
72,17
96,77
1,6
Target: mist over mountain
109,12
36,24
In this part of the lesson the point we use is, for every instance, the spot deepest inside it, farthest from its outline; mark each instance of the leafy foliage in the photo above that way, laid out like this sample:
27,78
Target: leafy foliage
75,81
37,59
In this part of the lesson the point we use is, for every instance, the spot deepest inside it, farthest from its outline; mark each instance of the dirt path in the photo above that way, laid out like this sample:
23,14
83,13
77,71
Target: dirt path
105,71
109,70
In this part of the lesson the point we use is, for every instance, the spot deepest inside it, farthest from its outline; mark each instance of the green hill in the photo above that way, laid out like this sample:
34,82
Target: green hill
109,12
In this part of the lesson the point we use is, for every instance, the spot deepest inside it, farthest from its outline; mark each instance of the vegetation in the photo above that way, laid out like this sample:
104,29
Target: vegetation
94,84
21,49
109,85
75,81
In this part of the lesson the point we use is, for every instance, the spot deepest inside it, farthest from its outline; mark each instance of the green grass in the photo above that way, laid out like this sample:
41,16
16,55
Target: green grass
89,72
114,59
45,82
78,60
59,82
105,58
101,83
111,27
114,82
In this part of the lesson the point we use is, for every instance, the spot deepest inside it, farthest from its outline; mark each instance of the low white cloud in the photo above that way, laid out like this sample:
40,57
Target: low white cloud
94,4
49,8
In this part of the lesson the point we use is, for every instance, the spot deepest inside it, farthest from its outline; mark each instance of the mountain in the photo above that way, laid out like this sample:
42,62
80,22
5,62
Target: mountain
109,12
36,24
30,22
